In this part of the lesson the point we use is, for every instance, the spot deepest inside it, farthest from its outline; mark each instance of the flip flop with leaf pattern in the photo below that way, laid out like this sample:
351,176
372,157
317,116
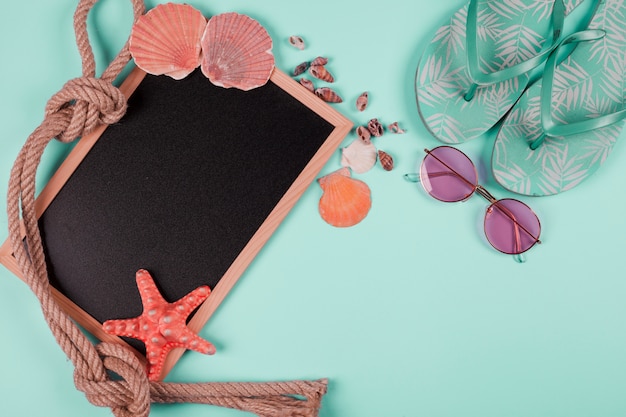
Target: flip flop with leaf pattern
565,125
477,65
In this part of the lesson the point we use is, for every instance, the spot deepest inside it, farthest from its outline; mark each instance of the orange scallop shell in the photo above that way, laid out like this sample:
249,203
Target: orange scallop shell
237,52
345,201
166,40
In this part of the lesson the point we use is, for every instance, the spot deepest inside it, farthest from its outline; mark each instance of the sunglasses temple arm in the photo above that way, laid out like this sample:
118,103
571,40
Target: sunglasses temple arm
415,177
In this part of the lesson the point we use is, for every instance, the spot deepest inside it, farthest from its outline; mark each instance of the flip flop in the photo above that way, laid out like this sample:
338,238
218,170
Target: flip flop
477,65
566,124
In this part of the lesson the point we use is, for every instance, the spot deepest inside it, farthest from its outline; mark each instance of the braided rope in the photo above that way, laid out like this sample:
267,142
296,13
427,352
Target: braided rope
76,110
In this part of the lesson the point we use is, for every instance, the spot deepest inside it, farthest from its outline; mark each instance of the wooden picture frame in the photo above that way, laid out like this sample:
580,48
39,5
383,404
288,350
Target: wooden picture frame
341,126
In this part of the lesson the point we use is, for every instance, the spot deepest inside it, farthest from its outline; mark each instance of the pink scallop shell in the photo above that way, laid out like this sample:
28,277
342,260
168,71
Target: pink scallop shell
166,40
237,52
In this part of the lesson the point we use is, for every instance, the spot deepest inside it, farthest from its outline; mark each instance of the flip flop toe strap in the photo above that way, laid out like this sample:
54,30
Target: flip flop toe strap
550,127
478,77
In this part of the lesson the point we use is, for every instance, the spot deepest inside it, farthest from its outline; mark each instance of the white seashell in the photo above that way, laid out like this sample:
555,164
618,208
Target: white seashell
359,156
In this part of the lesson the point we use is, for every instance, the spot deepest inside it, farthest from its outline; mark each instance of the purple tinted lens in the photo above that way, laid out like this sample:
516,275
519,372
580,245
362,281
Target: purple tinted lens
448,174
511,226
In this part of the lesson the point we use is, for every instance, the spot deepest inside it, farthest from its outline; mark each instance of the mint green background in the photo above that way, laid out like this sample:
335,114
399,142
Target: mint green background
411,312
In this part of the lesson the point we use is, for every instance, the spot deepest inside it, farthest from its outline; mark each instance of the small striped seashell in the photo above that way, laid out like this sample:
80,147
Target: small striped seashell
385,160
361,101
308,84
300,69
320,60
166,40
297,42
320,72
395,128
345,201
364,134
375,128
359,156
328,95
237,52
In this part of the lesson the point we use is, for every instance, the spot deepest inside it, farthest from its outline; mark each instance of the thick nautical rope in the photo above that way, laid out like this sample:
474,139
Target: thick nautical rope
82,105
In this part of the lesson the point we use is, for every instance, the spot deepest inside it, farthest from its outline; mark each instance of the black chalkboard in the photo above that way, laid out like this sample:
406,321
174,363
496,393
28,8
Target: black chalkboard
180,186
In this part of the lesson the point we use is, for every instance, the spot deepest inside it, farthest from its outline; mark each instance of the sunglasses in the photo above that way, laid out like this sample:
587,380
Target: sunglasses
448,175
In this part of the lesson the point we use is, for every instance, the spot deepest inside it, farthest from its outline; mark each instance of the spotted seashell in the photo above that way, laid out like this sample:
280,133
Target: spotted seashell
320,72
297,42
300,69
308,84
395,128
359,156
328,95
345,201
361,102
320,60
385,160
364,134
375,128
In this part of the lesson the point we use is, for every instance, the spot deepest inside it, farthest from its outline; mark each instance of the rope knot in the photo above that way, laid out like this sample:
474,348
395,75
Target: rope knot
128,396
86,102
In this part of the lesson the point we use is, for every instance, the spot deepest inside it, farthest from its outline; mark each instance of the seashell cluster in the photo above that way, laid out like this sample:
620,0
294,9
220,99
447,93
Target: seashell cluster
365,133
345,201
375,128
317,69
233,50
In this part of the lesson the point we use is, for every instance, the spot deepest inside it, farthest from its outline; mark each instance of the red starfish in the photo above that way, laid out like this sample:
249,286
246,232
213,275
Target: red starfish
162,326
